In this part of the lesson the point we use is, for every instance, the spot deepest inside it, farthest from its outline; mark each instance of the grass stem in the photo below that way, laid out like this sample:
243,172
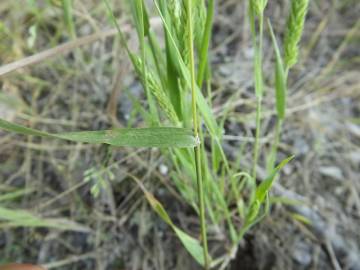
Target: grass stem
197,149
259,90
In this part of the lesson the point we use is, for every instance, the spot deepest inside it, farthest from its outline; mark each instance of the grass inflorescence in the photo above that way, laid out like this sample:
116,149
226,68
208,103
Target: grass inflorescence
294,29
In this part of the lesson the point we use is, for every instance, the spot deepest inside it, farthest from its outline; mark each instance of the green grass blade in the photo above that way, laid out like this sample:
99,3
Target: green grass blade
266,185
9,196
23,218
140,17
280,78
68,17
191,244
261,200
172,67
133,137
22,129
205,42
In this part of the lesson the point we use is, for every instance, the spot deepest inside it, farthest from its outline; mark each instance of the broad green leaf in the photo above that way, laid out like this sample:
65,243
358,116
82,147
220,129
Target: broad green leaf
280,78
23,218
133,137
266,185
191,244
253,212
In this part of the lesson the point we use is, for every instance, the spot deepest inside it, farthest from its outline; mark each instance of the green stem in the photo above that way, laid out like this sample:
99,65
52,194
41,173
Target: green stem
274,150
259,90
69,19
197,148
257,136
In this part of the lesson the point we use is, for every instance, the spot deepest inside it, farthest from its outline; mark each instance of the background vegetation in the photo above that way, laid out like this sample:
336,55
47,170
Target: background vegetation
77,206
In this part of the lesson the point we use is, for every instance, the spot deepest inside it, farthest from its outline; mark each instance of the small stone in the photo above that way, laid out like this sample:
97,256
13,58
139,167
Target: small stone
163,169
332,171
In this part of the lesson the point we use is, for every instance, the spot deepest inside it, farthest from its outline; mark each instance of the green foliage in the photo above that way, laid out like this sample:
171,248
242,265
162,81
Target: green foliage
156,89
280,78
23,218
100,178
13,195
133,137
258,6
263,189
192,245
173,73
68,17
174,76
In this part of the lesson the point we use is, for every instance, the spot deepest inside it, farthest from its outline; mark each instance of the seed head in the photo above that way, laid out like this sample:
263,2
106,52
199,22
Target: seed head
258,6
295,27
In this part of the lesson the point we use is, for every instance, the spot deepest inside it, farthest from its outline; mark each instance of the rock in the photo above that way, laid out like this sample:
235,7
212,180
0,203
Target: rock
332,171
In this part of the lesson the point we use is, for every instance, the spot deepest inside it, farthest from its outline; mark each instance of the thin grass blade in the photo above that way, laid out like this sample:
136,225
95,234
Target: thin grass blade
280,78
266,185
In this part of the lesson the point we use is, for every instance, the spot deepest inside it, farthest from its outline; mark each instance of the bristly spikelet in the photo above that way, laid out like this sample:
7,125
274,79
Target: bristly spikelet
178,14
155,89
199,19
295,26
175,10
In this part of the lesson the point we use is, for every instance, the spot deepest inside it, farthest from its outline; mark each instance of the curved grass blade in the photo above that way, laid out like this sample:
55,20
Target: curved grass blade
261,200
191,244
133,137
266,185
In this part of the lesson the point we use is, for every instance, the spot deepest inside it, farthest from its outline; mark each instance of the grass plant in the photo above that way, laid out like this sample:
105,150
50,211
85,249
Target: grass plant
283,64
179,117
